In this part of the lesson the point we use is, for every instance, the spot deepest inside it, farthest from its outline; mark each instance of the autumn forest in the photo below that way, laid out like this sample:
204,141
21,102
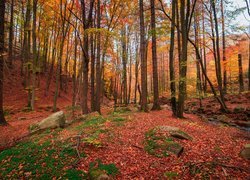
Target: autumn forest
124,89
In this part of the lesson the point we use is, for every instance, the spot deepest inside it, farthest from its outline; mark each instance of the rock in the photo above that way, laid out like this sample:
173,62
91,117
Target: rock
180,135
53,121
174,148
168,128
103,177
243,123
223,118
21,118
245,153
166,107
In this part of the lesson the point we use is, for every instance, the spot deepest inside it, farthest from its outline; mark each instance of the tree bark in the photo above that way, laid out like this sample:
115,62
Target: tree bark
156,105
2,13
241,81
144,106
171,60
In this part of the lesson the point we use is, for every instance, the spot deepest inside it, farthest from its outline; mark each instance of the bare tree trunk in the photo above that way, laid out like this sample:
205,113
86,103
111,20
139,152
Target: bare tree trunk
98,63
2,13
218,53
223,49
144,106
34,55
124,65
156,105
136,75
171,60
241,81
11,33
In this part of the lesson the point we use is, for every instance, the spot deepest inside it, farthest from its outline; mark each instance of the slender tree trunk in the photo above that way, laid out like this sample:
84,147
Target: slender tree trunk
241,81
124,65
223,49
136,75
156,105
98,59
218,53
2,13
34,55
11,33
171,60
74,73
144,106
183,60
204,50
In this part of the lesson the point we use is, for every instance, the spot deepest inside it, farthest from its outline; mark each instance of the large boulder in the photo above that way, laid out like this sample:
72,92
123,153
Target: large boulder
245,153
53,121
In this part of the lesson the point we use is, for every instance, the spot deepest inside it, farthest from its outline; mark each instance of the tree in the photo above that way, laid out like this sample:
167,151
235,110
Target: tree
216,46
2,12
156,105
11,33
223,48
241,81
144,106
171,60
98,61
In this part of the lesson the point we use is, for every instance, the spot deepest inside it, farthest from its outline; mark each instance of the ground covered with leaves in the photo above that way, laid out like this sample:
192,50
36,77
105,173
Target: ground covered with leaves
126,145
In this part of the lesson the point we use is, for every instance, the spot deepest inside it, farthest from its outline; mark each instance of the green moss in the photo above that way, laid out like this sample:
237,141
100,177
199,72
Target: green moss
171,175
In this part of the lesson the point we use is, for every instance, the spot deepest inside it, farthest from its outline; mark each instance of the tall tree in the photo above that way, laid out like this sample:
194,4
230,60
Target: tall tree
223,47
144,106
217,52
11,33
34,64
98,60
156,105
86,22
171,60
2,12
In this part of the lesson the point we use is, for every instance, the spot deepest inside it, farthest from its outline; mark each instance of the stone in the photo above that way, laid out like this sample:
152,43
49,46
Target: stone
21,118
166,107
243,123
180,135
168,128
245,153
223,118
103,177
174,148
53,121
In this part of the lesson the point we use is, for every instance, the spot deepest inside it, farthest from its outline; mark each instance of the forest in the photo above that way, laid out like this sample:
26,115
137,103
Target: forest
124,89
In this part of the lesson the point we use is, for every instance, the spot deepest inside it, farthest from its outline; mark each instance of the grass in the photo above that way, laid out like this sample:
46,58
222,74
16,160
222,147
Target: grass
33,160
97,168
45,156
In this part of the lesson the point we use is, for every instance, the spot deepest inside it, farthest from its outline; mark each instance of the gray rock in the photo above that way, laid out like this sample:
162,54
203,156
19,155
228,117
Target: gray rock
53,121
245,153
180,135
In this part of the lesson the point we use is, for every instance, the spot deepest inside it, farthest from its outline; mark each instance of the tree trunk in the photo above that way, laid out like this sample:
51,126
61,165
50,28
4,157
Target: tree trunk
34,55
218,53
11,33
144,106
171,60
156,105
241,81
98,59
2,13
223,49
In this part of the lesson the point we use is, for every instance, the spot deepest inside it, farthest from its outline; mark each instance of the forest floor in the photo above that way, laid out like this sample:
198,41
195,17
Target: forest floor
116,143
122,144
